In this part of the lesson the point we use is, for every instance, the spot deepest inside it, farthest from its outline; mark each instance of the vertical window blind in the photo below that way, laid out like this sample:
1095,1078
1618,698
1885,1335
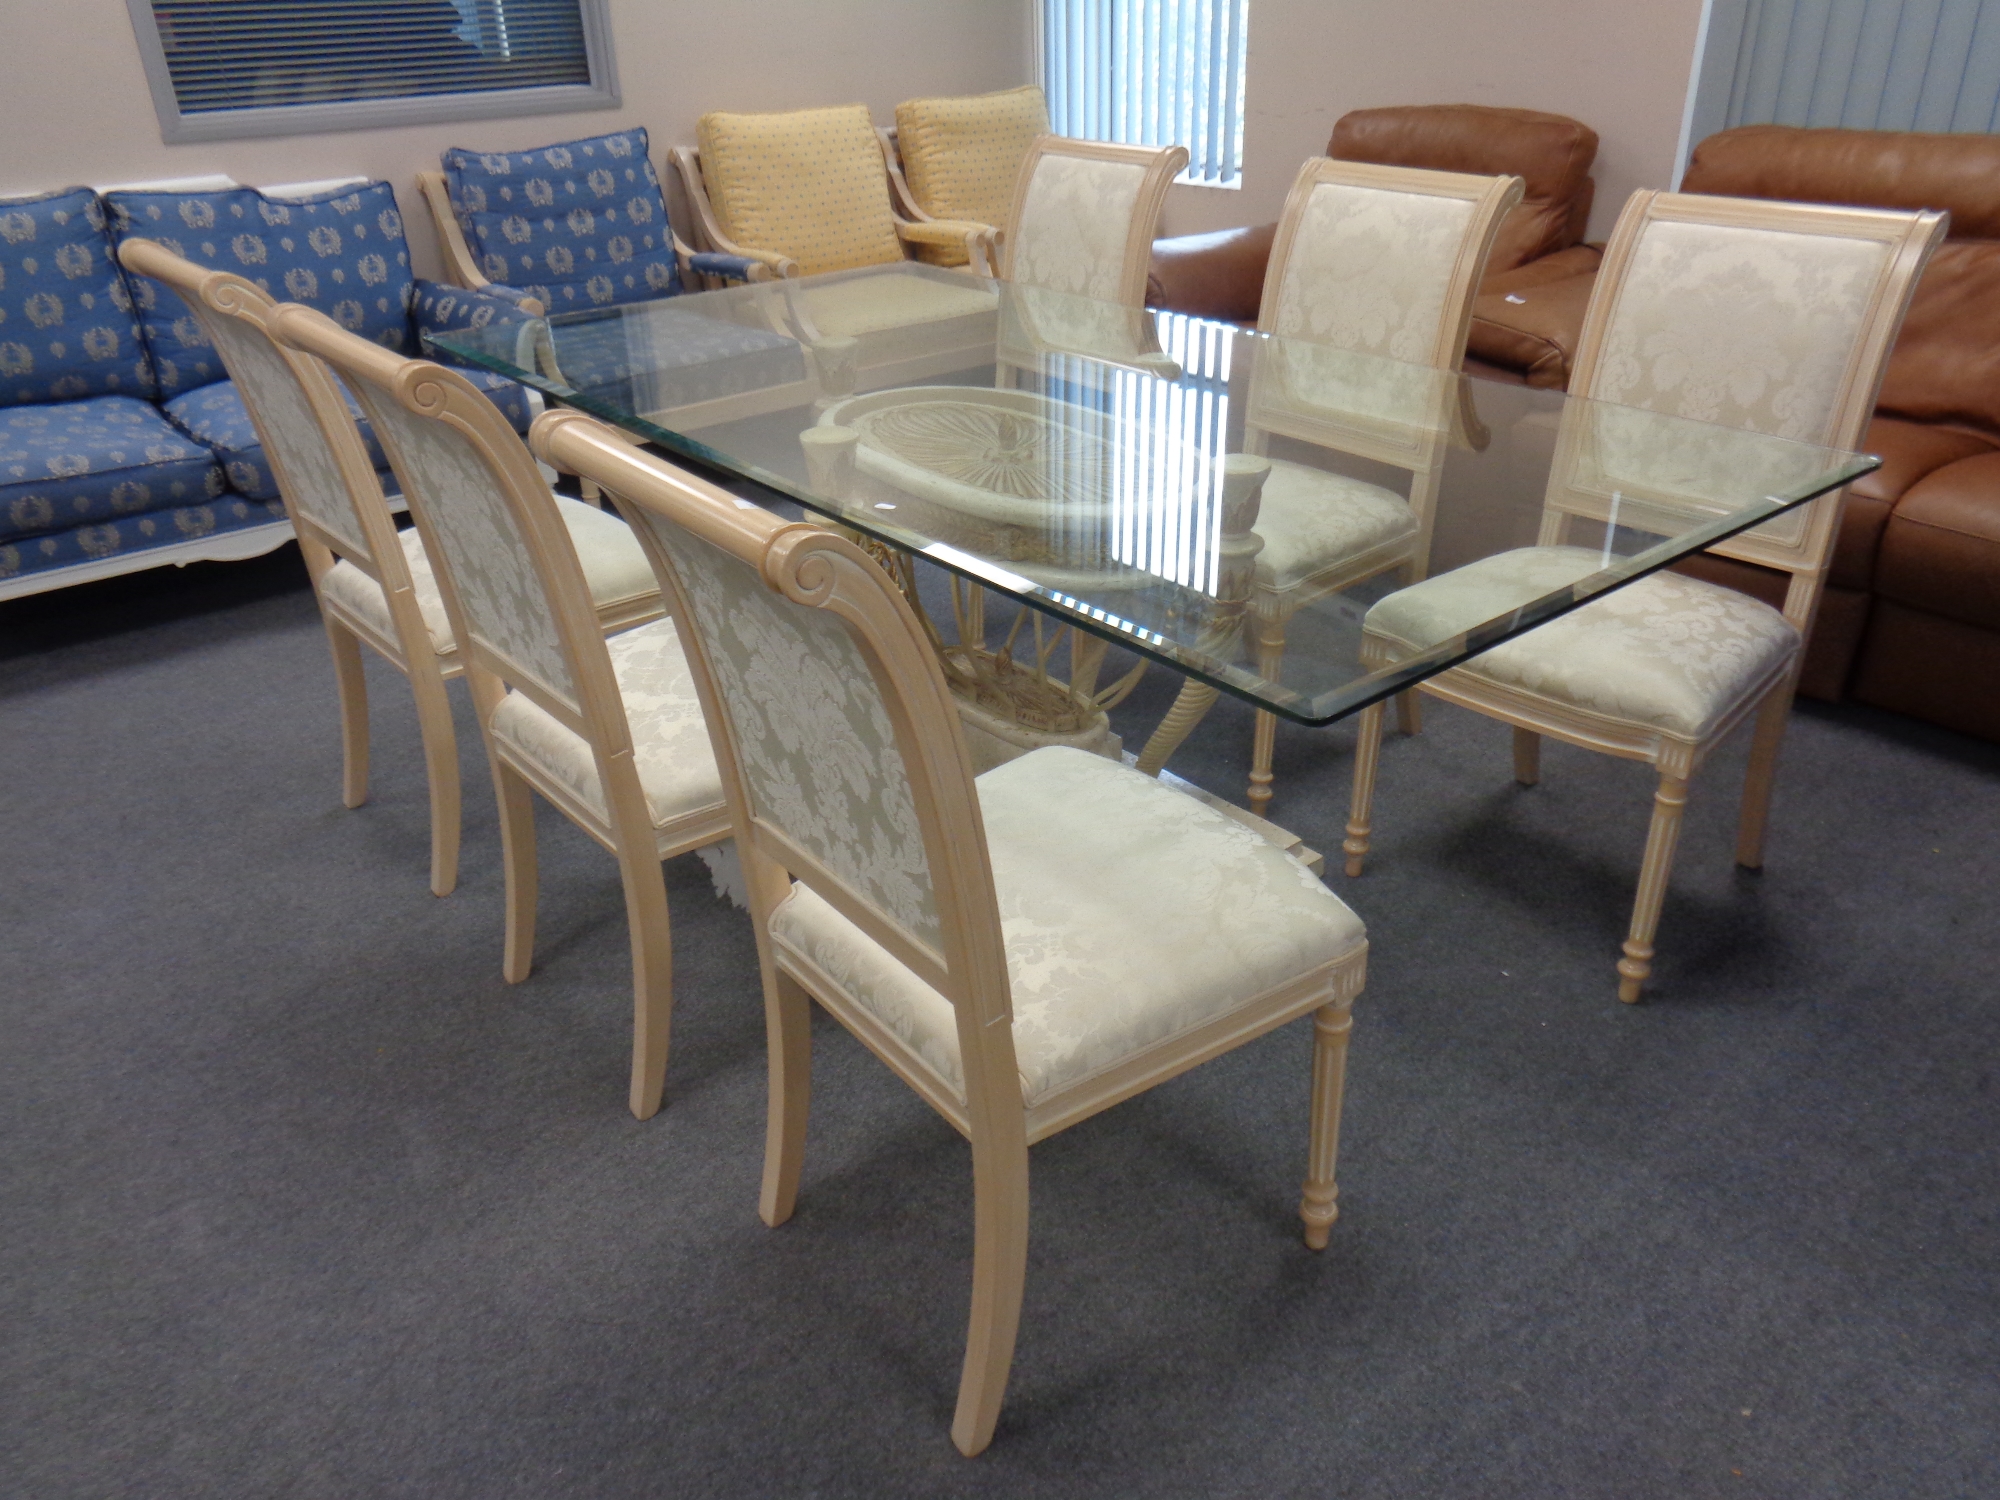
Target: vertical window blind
1151,73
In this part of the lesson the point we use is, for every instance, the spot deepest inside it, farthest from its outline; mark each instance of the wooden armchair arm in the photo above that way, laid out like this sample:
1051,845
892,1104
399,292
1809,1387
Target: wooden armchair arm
461,266
687,164
981,242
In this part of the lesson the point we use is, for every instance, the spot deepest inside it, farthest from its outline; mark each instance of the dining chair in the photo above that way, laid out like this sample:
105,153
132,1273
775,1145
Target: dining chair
608,732
374,584
1381,263
1768,317
1024,949
1084,215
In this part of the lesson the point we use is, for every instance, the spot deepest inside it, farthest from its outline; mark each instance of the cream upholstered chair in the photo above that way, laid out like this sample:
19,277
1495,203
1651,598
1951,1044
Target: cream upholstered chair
375,584
610,732
1371,264
1768,317
1024,950
958,159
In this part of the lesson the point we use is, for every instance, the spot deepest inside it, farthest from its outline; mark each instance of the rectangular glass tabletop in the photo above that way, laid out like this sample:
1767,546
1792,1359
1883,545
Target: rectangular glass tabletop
1227,502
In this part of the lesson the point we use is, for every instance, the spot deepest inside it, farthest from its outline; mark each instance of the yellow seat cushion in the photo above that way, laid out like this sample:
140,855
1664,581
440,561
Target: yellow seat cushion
807,183
962,156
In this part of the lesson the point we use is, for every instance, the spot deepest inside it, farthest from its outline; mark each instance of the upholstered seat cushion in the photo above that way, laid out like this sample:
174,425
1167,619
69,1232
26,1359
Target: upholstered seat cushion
874,304
1668,652
810,184
66,326
614,566
670,744
578,224
215,417
80,463
962,156
1131,913
83,545
1312,520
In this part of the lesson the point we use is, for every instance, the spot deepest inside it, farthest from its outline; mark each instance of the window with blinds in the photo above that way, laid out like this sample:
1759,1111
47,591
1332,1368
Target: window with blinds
273,67
1151,73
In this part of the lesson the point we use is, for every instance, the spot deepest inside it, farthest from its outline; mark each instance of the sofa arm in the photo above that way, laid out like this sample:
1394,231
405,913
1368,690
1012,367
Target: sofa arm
1219,275
447,309
975,240
728,267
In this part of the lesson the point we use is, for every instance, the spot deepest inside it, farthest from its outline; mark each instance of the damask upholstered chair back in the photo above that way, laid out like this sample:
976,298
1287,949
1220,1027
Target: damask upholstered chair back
1383,260
1761,316
481,504
838,739
322,466
1084,217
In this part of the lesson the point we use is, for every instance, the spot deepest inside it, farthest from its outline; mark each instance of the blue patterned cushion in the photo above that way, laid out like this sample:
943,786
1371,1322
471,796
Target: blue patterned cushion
87,461
578,224
66,326
684,357
81,544
342,253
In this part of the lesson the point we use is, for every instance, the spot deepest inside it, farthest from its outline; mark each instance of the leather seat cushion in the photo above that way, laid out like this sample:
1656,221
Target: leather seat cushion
1668,652
1131,914
614,566
1941,547
1533,329
670,744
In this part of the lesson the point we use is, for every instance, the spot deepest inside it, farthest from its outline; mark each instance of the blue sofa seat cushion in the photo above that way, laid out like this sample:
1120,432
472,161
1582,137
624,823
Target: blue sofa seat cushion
216,417
578,224
88,461
157,528
342,253
66,325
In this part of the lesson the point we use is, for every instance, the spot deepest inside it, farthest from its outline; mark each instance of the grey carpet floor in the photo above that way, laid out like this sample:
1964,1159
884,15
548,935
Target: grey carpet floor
298,1198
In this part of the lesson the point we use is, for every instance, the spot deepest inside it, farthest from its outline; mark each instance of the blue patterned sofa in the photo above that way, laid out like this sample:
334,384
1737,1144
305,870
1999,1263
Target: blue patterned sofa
123,444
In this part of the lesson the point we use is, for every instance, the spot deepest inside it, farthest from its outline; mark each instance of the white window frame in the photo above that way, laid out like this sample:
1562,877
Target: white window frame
367,114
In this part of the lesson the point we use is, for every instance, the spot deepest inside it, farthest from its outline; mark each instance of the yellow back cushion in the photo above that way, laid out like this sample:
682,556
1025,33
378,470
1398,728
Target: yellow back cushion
961,156
808,183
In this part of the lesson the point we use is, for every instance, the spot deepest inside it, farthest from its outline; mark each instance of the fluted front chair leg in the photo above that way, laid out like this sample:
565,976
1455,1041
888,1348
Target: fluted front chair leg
518,867
1410,711
1367,752
1773,714
441,770
352,682
788,1054
999,1276
1669,802
1319,1204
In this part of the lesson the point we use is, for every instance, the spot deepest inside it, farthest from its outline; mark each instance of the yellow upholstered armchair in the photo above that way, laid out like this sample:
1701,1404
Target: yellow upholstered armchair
806,191
957,160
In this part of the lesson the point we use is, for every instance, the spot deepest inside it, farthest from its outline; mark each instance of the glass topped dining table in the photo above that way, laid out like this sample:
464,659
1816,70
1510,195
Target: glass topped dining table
1226,502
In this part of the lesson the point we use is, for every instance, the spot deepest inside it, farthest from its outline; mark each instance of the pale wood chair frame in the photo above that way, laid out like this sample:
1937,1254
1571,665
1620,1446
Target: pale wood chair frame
1806,558
1419,449
813,566
407,647
597,713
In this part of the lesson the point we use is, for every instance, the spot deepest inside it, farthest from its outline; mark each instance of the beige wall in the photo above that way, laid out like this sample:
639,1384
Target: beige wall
1620,66
74,106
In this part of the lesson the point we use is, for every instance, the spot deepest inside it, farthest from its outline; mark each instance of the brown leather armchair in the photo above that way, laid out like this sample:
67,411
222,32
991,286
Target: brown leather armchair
1221,275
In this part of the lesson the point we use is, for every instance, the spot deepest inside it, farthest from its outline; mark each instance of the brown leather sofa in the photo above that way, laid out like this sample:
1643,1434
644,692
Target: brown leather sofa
1910,619
1221,275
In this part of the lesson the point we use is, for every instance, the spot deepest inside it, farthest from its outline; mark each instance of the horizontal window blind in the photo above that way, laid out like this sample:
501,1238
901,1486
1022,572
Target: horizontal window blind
253,54
1151,73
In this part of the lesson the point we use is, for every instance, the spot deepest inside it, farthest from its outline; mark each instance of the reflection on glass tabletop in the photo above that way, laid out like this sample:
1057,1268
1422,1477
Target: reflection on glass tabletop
1228,502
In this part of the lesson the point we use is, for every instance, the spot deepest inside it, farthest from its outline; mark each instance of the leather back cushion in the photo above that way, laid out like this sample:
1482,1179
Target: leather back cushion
342,253
962,156
1868,168
808,183
1551,154
577,224
66,327
1946,363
